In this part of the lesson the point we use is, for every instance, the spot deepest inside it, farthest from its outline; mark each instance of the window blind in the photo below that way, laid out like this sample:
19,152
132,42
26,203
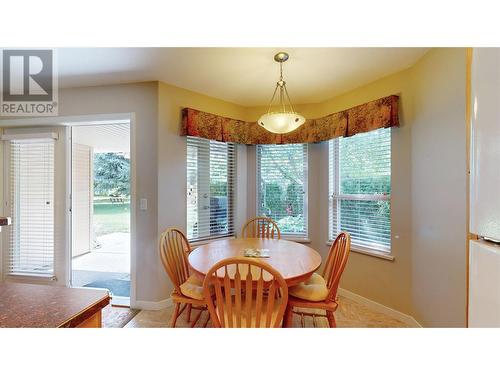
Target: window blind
282,186
360,188
31,186
211,174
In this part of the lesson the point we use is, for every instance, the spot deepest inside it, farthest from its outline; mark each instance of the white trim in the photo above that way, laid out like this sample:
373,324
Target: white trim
368,251
152,305
362,197
96,119
107,119
69,206
29,276
407,319
120,301
28,136
133,209
372,252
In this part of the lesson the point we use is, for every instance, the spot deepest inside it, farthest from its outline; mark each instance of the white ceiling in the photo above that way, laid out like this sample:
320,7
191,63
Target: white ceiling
245,76
103,138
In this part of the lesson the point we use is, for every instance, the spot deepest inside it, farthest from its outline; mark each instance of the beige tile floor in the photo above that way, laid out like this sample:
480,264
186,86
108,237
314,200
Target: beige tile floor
350,314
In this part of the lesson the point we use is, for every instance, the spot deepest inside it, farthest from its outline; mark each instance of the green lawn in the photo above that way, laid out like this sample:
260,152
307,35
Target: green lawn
111,217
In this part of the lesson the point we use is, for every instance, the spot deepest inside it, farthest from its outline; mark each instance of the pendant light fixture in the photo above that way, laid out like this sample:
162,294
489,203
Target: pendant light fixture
285,119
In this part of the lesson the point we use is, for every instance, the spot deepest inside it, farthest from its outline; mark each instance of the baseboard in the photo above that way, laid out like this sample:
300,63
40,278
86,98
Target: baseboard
407,319
120,301
152,305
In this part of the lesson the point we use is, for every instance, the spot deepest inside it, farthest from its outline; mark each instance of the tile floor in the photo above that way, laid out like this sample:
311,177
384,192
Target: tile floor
350,314
116,316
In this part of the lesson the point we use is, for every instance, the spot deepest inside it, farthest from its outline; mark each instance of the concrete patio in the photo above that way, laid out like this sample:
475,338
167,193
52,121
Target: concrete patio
106,266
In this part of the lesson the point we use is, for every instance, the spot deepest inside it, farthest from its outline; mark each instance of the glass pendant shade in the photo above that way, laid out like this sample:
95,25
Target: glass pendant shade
285,119
281,122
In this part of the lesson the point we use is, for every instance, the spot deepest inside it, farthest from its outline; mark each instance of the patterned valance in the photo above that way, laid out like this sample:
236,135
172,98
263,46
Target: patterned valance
380,113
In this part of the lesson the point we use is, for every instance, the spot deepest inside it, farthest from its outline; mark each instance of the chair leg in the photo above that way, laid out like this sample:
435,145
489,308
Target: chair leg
331,319
287,319
208,319
188,315
174,315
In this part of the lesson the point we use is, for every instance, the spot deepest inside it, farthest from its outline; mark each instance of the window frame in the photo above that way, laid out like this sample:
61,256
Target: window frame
334,197
297,237
231,181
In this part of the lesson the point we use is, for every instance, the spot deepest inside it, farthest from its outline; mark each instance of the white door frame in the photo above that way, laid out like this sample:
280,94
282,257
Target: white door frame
130,118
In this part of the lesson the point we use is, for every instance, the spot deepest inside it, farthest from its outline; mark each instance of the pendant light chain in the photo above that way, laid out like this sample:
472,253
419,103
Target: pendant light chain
285,119
282,84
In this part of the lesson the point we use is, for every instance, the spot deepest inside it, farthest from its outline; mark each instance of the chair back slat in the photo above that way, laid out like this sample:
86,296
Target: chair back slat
219,296
261,227
258,298
270,304
248,296
237,297
174,249
228,298
336,262
243,292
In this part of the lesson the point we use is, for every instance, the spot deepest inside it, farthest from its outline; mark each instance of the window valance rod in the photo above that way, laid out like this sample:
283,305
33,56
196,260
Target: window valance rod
380,113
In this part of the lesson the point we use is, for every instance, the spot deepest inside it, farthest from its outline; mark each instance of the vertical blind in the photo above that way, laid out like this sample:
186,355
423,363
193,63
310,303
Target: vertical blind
282,186
360,188
31,186
211,174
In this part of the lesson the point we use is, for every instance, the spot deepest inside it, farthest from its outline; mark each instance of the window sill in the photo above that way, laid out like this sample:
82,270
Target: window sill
27,276
296,239
195,244
368,251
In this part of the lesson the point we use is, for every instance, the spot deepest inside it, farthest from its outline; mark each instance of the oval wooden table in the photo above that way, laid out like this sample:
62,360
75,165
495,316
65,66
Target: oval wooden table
296,262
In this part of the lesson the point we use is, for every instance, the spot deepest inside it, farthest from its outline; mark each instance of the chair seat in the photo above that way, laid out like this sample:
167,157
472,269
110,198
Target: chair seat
193,288
314,289
277,304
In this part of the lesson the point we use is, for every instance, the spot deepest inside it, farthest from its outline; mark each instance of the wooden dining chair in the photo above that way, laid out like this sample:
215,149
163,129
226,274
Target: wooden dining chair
320,291
261,227
188,289
245,293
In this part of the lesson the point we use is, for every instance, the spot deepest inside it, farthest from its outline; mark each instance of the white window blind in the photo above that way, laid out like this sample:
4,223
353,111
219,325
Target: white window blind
211,174
282,186
31,186
360,188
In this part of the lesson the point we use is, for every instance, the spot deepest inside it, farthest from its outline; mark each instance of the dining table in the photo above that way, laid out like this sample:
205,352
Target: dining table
295,261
